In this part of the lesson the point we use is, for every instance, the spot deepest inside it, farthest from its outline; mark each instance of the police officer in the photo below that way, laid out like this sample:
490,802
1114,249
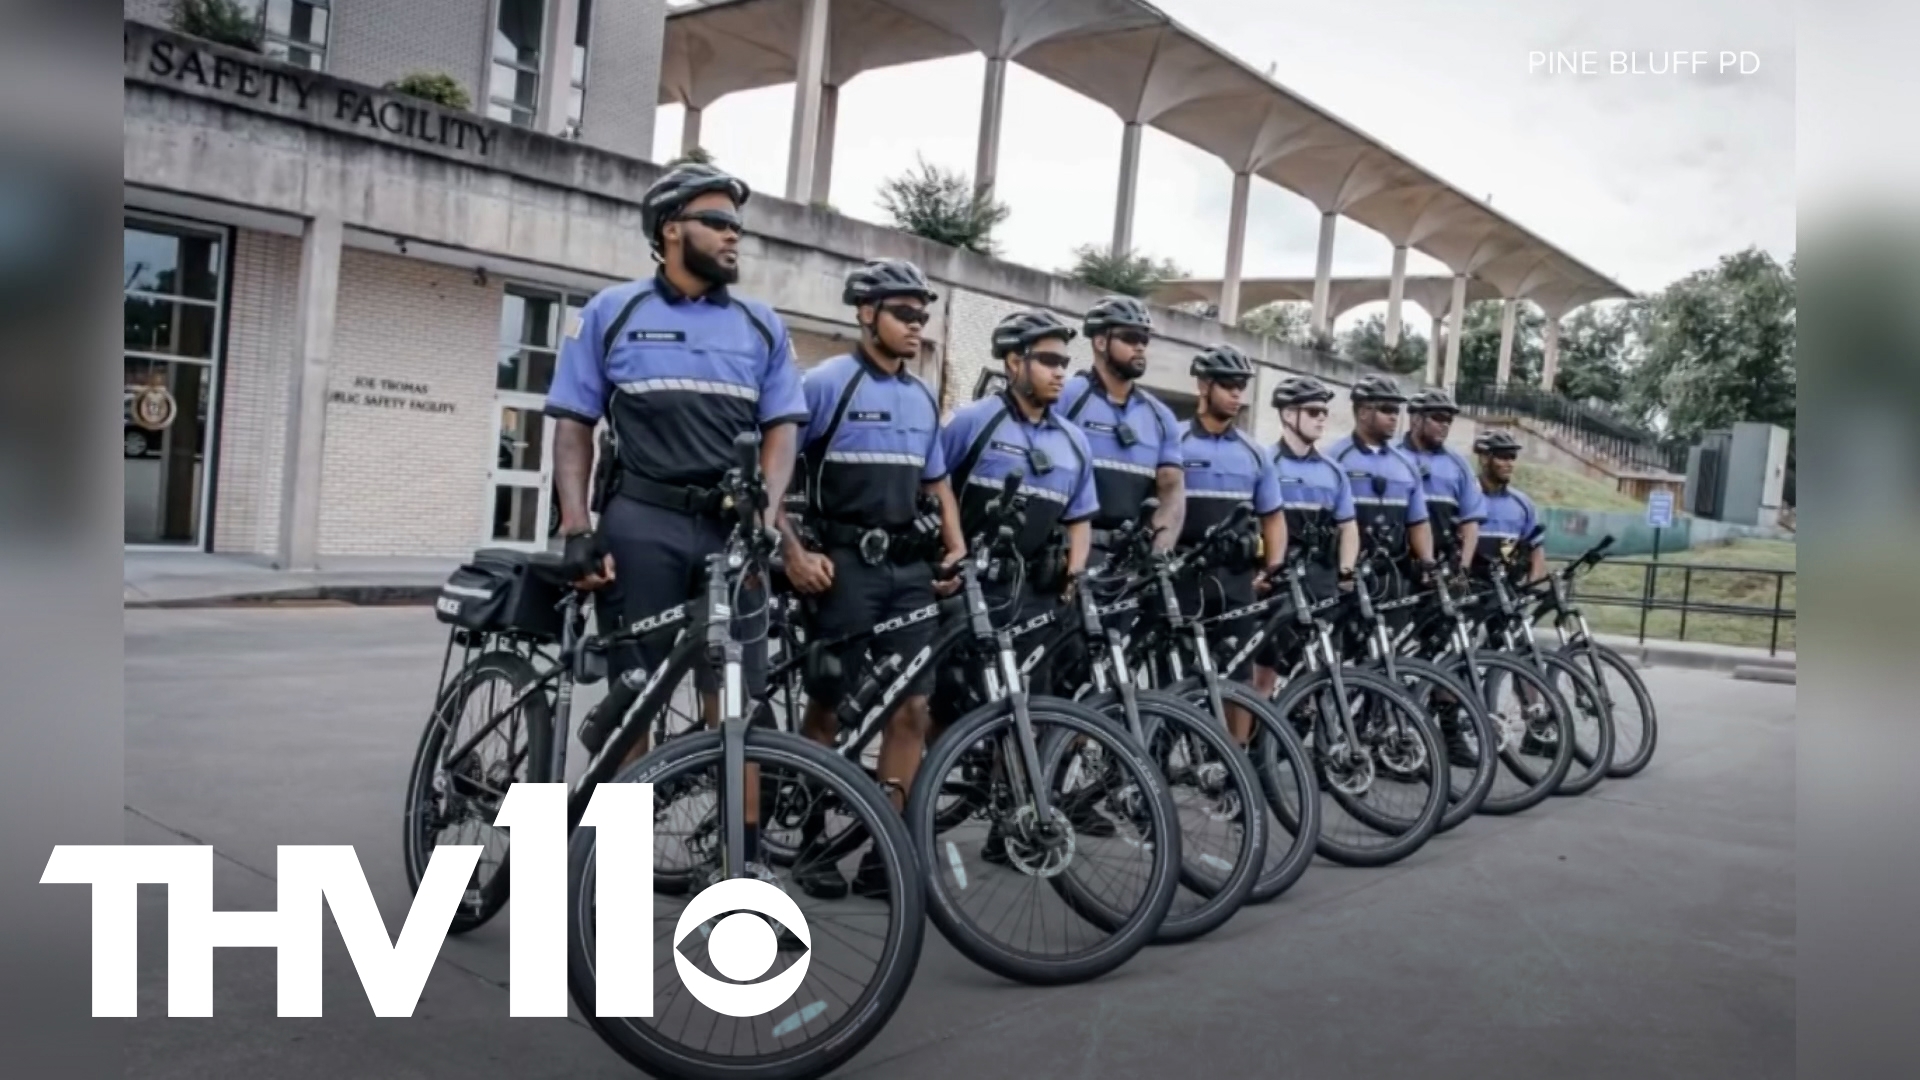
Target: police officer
1315,493
1019,428
1388,497
1510,514
1133,435
872,462
1224,469
677,366
1454,503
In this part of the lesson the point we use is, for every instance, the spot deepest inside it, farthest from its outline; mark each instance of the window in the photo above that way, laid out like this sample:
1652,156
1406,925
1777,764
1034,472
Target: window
514,93
577,96
296,31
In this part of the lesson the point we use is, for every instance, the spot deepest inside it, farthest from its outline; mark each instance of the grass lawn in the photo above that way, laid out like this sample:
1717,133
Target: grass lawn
1548,486
1718,587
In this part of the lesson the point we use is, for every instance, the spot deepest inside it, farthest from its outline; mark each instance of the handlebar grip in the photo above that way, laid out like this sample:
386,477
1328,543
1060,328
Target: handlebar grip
746,453
1605,543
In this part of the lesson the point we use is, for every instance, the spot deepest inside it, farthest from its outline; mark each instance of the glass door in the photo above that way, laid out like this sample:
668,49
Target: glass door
522,510
171,307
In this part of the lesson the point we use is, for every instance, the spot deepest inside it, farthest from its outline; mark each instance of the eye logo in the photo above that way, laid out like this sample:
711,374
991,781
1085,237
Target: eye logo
742,946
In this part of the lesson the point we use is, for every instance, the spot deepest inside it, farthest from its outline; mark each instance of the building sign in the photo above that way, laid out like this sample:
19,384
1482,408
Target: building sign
1660,509
372,393
165,59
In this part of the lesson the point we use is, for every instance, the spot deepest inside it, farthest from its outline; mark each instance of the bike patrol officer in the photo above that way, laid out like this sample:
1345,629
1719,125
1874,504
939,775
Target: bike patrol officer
1388,496
1454,503
677,366
1018,428
1133,435
879,512
1224,469
1316,495
1510,513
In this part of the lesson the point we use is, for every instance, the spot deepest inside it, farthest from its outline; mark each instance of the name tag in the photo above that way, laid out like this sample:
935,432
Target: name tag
1191,464
646,336
1359,474
870,417
1104,429
1008,448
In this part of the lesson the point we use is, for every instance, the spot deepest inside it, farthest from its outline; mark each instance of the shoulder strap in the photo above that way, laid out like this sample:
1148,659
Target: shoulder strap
1073,412
759,327
817,449
964,470
619,322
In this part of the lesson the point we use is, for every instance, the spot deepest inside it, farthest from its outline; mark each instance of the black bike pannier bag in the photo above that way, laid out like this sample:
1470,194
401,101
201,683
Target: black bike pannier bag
496,592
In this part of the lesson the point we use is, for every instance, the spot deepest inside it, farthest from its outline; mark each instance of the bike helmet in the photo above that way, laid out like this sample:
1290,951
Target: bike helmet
1371,388
1496,442
1117,312
1222,362
1300,390
1018,331
1433,399
681,185
883,278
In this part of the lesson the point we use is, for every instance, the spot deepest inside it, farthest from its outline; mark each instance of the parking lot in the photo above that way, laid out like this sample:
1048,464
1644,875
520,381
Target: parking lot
1644,930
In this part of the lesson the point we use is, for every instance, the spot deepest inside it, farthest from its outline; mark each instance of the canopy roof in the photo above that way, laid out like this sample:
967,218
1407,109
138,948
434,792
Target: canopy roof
1434,294
1132,58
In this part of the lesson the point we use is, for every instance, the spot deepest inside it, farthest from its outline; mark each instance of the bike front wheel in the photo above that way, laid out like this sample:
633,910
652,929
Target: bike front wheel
1532,731
1466,734
1592,724
1628,702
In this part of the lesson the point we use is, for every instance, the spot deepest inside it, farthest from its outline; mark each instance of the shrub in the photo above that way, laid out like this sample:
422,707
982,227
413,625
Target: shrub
223,22
940,205
1126,273
435,86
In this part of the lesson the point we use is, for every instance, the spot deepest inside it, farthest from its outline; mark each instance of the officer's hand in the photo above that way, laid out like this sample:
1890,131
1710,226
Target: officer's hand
1263,581
586,556
1347,580
945,585
810,571
1068,590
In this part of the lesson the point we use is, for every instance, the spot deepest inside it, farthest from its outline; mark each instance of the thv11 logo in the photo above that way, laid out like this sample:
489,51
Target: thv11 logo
393,972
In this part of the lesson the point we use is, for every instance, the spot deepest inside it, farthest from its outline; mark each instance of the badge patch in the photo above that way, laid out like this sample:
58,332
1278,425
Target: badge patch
573,325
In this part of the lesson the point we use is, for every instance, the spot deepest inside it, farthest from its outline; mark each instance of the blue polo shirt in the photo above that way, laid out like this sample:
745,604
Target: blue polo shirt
1315,494
1064,493
1123,475
884,447
1387,492
1447,481
678,378
1223,471
1510,516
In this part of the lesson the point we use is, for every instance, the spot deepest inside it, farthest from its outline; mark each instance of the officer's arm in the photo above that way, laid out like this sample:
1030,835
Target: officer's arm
576,400
572,465
951,537
1420,538
1537,565
1171,489
1079,543
1473,510
1273,538
1469,540
783,404
776,464
1349,545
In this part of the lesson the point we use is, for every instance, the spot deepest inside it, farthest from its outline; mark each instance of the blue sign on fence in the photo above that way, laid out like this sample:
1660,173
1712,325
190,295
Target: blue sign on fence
1660,510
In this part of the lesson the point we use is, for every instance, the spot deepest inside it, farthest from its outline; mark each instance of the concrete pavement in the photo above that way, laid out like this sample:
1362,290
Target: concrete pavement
1646,929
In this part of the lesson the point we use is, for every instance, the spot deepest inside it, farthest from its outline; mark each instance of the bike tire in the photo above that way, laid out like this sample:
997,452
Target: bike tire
1467,787
1633,742
518,673
1592,727
860,1020
1117,945
1536,784
1398,837
1214,887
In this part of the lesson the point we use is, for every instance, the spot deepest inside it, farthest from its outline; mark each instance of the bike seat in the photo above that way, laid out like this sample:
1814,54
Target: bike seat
549,568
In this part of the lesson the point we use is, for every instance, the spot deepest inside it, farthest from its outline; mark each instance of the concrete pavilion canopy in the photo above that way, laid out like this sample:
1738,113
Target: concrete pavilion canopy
1433,294
1150,70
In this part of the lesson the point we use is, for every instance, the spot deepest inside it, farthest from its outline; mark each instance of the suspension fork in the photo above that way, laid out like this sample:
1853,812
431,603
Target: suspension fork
724,653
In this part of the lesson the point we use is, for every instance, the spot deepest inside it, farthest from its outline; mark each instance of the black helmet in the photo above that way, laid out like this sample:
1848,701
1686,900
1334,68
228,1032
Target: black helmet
1221,362
1114,312
882,278
1496,442
1300,390
1370,388
1433,399
1022,328
679,186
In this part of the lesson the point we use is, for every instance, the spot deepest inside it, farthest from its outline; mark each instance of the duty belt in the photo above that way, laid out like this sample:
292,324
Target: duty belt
687,499
875,545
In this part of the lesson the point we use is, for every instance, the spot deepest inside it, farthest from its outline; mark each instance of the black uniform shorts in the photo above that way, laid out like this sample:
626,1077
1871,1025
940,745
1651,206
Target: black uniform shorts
1212,593
861,598
659,556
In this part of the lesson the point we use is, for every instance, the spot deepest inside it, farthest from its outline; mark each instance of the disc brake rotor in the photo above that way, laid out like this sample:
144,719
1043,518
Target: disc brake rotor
1036,852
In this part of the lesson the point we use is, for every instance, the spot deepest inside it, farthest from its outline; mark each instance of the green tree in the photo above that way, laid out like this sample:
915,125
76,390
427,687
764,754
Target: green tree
1719,348
1480,343
435,86
1598,348
1126,273
224,22
693,155
1282,320
1365,342
941,205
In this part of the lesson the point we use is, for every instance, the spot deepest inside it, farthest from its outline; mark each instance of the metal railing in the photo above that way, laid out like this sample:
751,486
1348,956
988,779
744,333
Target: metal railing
1651,600
1600,432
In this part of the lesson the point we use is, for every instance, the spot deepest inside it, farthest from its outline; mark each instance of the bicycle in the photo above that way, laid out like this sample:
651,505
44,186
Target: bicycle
1634,738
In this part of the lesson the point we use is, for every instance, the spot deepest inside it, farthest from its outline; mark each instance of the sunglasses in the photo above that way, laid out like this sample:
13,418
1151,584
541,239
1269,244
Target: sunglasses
1439,417
1388,410
717,220
1505,455
1317,412
1058,361
1136,338
1230,384
907,314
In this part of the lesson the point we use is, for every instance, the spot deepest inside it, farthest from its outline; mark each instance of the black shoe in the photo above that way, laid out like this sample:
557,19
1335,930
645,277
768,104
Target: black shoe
995,849
1082,812
872,880
820,879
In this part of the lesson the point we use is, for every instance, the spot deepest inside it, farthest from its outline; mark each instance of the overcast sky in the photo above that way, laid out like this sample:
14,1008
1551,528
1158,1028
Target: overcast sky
1644,177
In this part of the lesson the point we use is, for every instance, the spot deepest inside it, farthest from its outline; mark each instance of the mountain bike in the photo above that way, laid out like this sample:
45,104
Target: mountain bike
1623,693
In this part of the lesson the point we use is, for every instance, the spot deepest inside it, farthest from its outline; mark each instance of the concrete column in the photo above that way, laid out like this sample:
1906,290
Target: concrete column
1433,352
1550,354
690,130
986,159
1396,292
823,161
1323,274
807,90
1505,372
1129,181
318,289
1236,249
1456,315
556,67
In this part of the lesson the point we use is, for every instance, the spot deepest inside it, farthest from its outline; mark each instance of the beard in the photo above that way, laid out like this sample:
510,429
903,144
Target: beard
708,268
1130,370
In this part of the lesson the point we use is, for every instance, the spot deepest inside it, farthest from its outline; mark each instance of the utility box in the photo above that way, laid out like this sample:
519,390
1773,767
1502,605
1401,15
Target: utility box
1739,474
